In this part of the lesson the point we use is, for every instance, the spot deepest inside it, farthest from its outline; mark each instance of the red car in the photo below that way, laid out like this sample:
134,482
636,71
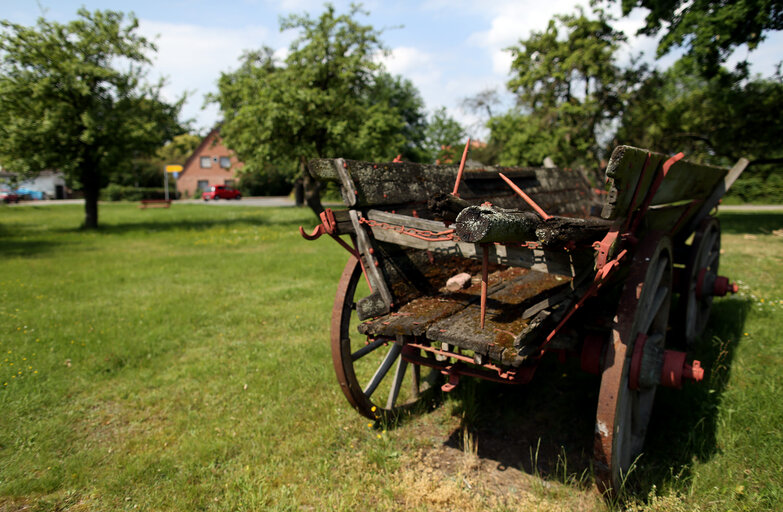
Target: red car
221,192
7,196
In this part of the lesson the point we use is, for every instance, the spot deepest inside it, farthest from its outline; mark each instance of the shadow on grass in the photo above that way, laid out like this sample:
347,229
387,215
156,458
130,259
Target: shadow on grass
545,428
750,222
539,428
193,224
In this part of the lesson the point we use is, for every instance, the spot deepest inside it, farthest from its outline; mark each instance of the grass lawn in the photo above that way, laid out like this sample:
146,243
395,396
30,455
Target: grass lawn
179,360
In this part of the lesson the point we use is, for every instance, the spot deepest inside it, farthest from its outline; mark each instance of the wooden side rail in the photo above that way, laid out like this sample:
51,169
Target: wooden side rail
155,203
389,185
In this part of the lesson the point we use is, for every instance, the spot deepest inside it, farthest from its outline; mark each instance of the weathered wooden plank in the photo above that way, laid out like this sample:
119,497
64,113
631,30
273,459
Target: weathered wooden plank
414,317
687,180
407,221
714,198
667,218
383,184
566,263
554,262
627,173
486,224
507,316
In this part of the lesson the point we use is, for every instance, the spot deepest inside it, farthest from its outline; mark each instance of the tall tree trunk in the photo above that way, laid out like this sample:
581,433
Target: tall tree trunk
91,185
312,188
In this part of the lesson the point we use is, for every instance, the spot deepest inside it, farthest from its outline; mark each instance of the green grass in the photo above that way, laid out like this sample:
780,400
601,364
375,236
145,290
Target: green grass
179,360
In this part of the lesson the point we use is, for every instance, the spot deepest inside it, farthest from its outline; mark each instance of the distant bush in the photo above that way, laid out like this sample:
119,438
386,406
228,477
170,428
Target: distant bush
270,183
115,192
761,186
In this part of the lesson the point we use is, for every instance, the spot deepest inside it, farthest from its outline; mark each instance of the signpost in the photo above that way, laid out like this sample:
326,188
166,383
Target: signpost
170,169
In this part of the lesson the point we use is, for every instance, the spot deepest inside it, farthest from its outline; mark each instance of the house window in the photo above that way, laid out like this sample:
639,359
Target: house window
230,183
225,162
206,162
203,185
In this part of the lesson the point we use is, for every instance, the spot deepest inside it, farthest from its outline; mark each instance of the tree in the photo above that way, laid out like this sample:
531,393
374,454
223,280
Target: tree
65,102
147,171
568,88
444,137
327,99
714,120
709,30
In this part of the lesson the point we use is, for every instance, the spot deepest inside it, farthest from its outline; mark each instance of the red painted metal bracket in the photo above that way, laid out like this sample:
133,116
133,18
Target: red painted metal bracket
455,192
544,215
601,277
328,226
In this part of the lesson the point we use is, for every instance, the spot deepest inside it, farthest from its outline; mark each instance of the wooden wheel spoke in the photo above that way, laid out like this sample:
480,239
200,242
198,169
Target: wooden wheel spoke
709,244
655,308
383,369
367,349
415,381
658,274
712,259
704,254
399,375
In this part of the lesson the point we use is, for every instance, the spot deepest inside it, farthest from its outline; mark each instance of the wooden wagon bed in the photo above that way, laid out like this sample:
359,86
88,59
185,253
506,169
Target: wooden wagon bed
554,262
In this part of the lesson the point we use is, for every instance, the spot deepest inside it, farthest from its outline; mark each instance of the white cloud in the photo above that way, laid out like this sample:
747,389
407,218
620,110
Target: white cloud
512,21
192,57
407,60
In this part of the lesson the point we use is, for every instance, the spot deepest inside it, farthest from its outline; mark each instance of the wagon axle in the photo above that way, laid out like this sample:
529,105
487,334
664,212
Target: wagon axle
710,284
650,363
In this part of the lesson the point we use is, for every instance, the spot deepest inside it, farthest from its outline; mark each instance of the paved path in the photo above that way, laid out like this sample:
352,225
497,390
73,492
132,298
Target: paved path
285,201
245,201
751,207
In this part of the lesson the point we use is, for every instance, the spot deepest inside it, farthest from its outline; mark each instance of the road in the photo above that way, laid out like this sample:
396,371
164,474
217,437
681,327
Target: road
286,201
245,201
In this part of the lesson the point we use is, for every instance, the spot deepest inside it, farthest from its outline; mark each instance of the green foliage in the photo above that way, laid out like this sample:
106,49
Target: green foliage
115,192
177,151
328,99
147,172
444,137
271,182
567,87
709,30
72,98
715,120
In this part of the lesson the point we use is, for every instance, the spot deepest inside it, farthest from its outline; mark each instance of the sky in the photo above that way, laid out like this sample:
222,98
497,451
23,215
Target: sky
449,49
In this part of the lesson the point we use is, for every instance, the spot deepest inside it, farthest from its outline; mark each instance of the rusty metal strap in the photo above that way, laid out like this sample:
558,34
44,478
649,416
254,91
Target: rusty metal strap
448,235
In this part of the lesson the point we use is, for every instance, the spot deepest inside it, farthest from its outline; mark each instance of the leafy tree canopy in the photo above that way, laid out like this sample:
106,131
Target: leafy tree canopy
328,98
709,30
444,137
567,86
147,171
72,98
715,120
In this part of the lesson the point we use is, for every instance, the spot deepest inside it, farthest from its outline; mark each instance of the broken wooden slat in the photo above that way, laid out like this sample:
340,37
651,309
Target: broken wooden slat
486,224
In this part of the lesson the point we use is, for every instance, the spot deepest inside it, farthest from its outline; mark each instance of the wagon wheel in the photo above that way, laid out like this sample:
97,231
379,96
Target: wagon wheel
623,413
371,372
703,260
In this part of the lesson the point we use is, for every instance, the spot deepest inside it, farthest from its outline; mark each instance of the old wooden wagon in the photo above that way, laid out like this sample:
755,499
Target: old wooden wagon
481,272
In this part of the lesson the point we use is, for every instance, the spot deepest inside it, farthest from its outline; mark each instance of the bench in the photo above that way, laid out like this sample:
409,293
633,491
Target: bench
155,203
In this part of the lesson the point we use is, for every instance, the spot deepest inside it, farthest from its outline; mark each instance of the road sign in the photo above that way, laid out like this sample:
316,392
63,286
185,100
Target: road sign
173,168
